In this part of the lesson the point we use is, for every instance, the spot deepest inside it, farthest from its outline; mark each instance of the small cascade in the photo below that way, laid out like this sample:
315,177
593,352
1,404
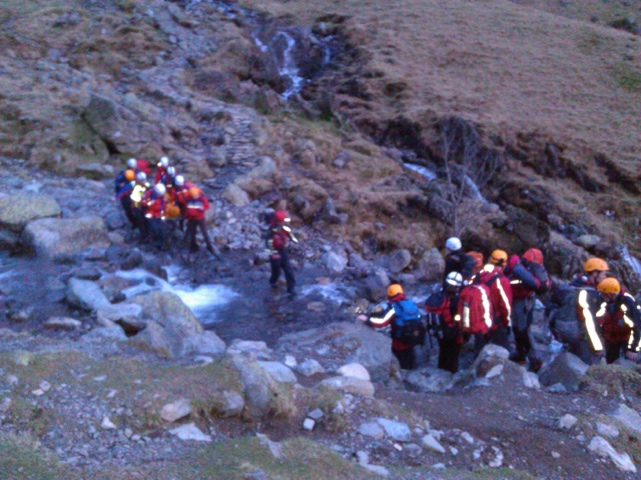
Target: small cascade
425,172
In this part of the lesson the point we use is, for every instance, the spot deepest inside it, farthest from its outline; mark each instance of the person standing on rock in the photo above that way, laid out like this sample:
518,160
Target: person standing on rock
195,206
137,192
154,203
442,311
279,237
525,286
500,297
589,346
404,317
456,260
124,184
620,317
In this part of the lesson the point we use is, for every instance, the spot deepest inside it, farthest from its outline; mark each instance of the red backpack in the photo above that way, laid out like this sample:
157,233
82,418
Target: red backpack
475,309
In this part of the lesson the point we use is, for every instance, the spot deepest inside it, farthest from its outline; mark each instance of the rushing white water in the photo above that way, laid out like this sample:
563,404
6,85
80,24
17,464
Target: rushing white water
204,301
421,170
474,189
287,66
332,292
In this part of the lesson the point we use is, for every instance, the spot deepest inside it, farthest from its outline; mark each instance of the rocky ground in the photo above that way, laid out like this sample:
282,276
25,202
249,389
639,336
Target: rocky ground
107,372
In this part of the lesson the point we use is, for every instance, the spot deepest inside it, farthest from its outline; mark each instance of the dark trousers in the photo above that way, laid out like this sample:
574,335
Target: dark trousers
613,351
448,354
157,232
281,262
141,223
500,336
407,358
522,314
192,230
126,206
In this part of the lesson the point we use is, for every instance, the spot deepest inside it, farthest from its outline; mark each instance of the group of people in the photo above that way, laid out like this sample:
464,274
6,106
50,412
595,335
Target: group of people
148,207
593,317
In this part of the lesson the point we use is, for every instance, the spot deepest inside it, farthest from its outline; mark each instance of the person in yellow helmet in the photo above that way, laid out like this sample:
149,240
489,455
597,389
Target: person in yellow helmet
620,318
407,325
590,346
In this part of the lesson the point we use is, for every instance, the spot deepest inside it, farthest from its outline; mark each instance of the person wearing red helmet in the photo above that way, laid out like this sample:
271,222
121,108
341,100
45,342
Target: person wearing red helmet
620,319
196,204
278,239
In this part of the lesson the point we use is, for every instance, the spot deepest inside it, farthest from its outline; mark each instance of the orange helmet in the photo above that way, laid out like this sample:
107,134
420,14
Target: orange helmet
595,264
498,257
394,289
533,255
609,286
194,192
478,260
130,175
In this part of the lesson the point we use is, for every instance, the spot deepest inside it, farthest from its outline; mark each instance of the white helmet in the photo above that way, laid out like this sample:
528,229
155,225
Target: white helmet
160,189
179,180
132,163
141,176
164,162
171,171
453,244
454,279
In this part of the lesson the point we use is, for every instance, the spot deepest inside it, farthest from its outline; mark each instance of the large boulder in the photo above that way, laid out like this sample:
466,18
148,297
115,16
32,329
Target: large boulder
351,343
60,239
566,369
431,266
16,211
88,295
168,311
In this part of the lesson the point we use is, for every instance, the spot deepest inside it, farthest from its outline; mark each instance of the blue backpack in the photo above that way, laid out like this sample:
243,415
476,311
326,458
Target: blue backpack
410,328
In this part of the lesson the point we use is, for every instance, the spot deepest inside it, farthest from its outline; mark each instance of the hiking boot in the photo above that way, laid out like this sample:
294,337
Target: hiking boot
535,365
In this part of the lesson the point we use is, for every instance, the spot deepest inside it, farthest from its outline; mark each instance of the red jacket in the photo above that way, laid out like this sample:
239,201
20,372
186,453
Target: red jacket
153,205
500,294
621,321
195,208
523,283
160,173
475,312
182,194
388,319
143,166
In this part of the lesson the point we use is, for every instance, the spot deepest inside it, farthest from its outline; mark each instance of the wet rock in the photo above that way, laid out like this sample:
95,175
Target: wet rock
176,410
133,260
601,447
190,432
60,239
566,369
279,372
399,260
87,273
395,430
17,211
86,295
62,323
255,350
352,385
204,343
334,262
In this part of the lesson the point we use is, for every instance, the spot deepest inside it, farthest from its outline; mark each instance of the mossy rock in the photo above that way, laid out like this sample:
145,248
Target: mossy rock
16,211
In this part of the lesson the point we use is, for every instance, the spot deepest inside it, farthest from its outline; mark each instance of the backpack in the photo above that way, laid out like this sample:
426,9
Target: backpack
436,306
563,321
408,322
475,309
540,273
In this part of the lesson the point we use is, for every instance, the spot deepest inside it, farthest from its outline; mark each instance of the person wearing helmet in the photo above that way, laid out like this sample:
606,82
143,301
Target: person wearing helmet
161,169
123,193
181,195
590,347
139,165
500,297
138,191
154,203
195,205
278,238
524,286
456,260
620,317
442,308
404,317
